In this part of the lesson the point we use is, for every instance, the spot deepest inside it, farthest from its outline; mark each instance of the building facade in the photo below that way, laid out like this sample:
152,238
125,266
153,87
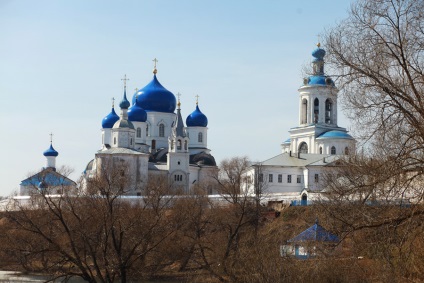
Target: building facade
314,144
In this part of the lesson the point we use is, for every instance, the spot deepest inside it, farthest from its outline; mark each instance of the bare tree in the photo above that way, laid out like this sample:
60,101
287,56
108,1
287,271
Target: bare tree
377,56
95,234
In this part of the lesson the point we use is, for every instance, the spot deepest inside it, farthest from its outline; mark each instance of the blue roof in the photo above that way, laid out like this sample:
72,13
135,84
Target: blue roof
315,233
137,114
197,119
154,97
335,134
110,119
124,102
318,53
47,178
320,80
287,140
51,151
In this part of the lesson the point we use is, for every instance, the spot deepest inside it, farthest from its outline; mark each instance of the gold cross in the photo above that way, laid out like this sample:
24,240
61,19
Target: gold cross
318,44
155,60
125,81
197,99
113,102
51,137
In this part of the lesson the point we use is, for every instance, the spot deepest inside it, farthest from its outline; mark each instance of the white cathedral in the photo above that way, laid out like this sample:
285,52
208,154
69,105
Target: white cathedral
313,147
152,140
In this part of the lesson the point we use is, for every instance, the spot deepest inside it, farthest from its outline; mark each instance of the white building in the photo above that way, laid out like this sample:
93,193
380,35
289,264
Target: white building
313,145
151,139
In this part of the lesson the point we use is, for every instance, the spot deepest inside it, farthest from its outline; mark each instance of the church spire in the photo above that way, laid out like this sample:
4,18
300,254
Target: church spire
179,124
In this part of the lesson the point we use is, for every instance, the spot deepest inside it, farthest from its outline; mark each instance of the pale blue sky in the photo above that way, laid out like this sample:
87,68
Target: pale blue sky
61,62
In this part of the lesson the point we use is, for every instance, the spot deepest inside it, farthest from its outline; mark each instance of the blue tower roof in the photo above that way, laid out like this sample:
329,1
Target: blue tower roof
110,119
197,119
154,97
137,114
51,151
335,134
124,104
318,54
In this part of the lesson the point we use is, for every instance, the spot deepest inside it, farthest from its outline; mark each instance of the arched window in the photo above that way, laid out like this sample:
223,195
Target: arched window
346,150
316,110
161,130
303,147
153,144
179,144
139,132
147,130
333,150
185,145
320,150
328,111
200,137
304,111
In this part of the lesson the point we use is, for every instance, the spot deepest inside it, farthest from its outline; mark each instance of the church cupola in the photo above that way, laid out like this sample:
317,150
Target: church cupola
154,97
197,118
197,130
51,155
123,132
110,119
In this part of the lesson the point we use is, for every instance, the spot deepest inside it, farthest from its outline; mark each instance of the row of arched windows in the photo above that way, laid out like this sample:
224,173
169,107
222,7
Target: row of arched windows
303,148
329,119
162,132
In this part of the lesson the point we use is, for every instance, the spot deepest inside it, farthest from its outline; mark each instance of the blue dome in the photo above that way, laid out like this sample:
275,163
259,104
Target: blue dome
124,102
335,135
154,97
110,119
318,53
51,151
197,119
137,114
320,80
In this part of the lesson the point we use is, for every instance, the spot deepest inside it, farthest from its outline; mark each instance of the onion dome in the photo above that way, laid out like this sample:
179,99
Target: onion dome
197,119
124,104
154,97
110,119
137,114
334,135
318,53
51,151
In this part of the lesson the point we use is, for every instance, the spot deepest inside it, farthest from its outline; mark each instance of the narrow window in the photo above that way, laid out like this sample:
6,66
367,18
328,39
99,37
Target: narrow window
200,137
153,144
130,141
147,130
179,144
316,178
299,179
316,110
270,177
333,150
161,130
288,178
320,150
172,144
346,150
138,132
328,111
304,111
280,178
114,140
261,177
185,145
